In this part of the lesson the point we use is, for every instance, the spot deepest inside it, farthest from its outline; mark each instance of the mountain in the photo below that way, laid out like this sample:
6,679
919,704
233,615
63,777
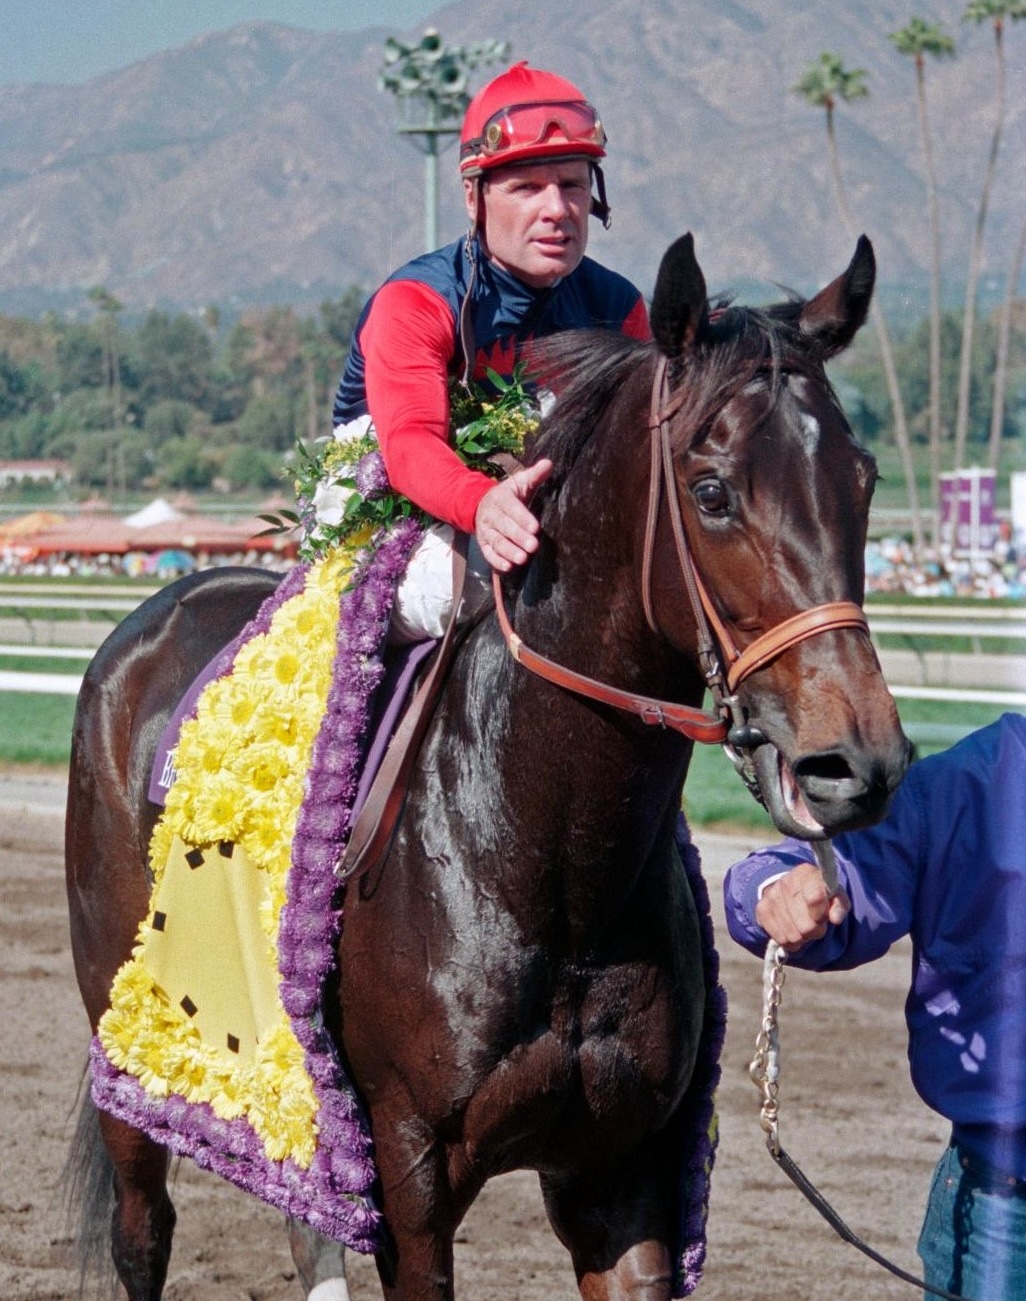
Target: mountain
262,163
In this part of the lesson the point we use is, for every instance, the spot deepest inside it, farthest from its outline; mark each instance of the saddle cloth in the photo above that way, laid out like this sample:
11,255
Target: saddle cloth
214,1043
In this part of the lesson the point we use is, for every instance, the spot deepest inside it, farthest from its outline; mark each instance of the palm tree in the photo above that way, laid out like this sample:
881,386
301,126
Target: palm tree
822,84
997,412
108,307
917,40
996,12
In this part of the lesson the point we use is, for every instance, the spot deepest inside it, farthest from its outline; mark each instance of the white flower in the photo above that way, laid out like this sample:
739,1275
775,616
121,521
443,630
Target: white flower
360,427
329,499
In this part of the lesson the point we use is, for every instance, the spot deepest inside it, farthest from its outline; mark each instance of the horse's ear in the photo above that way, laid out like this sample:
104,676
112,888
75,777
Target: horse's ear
837,313
679,307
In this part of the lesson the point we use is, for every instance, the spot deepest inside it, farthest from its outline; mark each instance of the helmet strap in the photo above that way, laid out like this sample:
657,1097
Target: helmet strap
466,321
599,205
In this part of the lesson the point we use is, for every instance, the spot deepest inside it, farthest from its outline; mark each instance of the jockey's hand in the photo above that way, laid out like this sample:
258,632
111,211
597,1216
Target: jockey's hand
796,908
506,531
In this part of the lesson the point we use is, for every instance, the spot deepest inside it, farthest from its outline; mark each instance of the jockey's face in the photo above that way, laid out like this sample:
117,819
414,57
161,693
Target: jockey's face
535,218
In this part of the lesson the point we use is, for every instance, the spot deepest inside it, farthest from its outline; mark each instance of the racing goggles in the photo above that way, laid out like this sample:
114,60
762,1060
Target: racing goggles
524,127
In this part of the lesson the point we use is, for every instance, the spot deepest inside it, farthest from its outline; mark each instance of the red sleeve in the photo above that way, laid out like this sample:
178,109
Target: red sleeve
636,325
408,341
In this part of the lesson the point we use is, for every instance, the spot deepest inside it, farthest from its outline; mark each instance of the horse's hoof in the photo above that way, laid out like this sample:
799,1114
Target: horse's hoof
332,1289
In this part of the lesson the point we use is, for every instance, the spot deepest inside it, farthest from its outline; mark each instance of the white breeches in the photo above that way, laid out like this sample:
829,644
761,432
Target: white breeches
423,599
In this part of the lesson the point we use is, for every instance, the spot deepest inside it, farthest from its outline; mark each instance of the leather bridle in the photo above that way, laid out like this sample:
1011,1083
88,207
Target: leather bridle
725,666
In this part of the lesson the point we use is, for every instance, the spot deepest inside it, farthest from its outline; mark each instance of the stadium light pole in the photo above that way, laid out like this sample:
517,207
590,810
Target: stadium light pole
429,81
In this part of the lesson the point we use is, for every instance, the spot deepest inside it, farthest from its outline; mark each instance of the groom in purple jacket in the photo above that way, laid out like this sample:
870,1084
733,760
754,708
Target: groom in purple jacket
947,867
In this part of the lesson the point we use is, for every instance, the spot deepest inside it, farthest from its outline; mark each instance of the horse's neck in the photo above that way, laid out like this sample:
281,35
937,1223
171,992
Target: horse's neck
593,779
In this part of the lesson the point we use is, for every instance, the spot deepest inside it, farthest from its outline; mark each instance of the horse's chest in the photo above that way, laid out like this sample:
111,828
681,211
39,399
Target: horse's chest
607,1062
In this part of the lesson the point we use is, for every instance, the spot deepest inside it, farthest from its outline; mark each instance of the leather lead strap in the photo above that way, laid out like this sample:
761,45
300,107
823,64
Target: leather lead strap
812,1194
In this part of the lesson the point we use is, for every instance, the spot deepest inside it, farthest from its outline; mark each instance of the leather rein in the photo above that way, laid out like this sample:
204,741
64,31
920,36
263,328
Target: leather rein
725,666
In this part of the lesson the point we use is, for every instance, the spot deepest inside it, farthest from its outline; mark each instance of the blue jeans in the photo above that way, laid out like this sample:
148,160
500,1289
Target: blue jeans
973,1240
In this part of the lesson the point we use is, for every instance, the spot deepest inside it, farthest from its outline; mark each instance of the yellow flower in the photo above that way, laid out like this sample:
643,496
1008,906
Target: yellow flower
220,807
306,622
286,667
262,832
132,985
160,846
262,767
187,1069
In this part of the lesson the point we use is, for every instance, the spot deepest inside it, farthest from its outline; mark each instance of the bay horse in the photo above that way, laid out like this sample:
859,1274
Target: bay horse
519,984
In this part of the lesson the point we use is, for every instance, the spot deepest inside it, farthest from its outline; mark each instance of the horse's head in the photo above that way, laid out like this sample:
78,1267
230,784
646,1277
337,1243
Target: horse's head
773,493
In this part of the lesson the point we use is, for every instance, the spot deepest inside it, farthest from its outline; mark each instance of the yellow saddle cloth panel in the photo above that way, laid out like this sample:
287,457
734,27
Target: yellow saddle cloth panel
207,949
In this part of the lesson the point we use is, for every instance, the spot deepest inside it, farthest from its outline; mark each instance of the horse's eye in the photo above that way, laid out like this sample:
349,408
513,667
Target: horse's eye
712,497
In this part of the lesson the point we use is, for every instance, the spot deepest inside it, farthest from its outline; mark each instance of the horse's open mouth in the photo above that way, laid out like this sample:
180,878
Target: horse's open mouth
783,797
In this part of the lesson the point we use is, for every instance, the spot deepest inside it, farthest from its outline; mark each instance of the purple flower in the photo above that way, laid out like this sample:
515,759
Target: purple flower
371,477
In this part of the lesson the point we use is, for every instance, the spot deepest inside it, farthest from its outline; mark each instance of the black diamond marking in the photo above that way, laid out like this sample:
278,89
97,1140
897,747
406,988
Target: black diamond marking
159,921
188,1006
233,1044
194,858
226,848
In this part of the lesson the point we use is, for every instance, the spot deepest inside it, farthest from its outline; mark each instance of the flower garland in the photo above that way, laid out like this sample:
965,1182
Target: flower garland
342,486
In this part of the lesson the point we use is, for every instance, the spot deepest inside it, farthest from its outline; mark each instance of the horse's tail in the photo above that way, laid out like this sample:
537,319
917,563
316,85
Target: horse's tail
88,1196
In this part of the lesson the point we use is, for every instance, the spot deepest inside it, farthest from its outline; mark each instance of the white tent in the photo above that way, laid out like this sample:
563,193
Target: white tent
158,511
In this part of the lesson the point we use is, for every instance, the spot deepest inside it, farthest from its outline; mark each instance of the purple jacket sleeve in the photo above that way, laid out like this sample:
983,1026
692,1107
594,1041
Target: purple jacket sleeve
878,868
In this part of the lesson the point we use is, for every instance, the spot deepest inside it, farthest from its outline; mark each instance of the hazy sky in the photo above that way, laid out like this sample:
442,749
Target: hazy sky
73,40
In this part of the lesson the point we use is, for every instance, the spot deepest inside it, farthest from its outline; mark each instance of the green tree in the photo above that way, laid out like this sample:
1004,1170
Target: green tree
22,386
25,437
80,361
268,422
340,315
136,458
824,83
916,41
81,411
996,12
175,358
169,419
274,354
88,454
250,467
186,463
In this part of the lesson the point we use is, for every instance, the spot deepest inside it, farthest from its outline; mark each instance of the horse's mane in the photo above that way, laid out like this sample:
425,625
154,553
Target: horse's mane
589,369
586,370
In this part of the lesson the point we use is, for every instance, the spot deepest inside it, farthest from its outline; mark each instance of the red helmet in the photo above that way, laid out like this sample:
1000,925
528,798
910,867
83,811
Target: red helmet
523,114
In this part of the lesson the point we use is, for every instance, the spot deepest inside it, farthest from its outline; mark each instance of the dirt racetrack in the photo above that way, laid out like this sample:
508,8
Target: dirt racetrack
849,1116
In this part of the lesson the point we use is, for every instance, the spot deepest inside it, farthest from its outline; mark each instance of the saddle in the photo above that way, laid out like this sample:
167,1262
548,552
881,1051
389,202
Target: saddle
376,815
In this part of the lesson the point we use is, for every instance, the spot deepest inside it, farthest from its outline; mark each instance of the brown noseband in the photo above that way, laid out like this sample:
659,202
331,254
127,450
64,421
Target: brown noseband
715,644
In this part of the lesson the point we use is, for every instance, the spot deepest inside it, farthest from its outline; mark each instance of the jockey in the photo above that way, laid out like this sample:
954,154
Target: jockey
529,154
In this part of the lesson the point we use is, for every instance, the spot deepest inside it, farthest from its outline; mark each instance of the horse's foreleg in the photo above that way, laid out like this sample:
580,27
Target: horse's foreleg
616,1236
320,1263
144,1218
422,1214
